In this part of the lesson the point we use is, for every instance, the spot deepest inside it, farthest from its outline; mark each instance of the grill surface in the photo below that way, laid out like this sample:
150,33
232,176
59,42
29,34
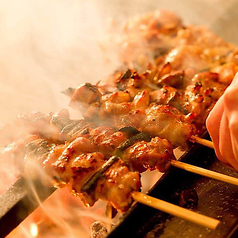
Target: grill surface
19,201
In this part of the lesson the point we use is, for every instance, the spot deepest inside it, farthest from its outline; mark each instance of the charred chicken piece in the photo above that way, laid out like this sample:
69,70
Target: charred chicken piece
80,165
113,183
202,95
168,123
152,155
86,93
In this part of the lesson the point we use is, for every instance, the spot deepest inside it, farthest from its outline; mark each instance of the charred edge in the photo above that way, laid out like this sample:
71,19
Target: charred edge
142,136
126,75
69,91
89,186
129,130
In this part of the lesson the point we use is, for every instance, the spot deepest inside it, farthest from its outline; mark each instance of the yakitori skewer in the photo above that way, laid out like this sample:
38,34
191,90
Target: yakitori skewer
185,166
176,210
153,202
202,141
205,172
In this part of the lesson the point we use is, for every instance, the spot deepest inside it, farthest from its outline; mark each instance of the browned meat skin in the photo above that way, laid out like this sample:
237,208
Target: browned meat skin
168,123
168,95
86,93
152,155
117,185
72,168
198,98
73,164
159,120
77,171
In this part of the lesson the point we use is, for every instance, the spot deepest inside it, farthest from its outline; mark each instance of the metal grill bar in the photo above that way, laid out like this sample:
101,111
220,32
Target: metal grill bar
18,202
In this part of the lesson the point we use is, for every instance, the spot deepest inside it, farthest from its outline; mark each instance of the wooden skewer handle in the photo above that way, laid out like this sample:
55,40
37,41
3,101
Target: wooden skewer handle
176,210
201,141
205,172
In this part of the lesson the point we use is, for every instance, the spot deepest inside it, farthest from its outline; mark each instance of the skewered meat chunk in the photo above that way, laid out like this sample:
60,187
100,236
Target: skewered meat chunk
163,121
152,155
168,95
75,169
86,93
114,185
74,164
168,123
202,95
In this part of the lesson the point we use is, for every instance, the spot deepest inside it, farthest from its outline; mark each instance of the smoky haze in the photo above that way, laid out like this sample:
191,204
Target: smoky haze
47,46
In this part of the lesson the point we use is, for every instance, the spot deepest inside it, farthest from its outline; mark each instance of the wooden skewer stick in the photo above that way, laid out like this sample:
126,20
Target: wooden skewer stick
205,172
176,210
201,141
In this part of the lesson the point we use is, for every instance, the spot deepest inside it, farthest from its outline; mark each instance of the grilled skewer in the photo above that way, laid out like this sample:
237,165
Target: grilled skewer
73,163
19,201
168,100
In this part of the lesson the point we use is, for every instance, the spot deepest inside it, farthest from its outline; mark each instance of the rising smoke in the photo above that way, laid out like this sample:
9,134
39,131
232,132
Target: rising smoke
47,46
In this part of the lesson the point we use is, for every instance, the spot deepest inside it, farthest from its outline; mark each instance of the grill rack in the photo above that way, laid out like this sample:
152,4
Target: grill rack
142,221
19,201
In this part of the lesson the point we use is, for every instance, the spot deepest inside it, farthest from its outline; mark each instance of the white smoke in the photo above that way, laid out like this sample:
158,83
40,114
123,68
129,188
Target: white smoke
47,46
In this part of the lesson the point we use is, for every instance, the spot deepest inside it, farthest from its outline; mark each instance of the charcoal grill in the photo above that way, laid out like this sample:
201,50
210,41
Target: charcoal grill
216,199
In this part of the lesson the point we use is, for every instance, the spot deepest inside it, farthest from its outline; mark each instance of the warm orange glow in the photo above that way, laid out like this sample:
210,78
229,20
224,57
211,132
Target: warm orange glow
34,230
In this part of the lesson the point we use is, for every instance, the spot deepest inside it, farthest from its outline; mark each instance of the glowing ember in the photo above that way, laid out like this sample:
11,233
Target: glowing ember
34,230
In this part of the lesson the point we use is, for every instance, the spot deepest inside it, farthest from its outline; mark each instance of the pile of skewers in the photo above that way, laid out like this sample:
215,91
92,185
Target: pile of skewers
157,101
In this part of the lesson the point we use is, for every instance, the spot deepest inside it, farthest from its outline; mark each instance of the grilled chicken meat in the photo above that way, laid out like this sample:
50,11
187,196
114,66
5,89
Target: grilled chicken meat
89,147
152,155
140,112
171,78
73,164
